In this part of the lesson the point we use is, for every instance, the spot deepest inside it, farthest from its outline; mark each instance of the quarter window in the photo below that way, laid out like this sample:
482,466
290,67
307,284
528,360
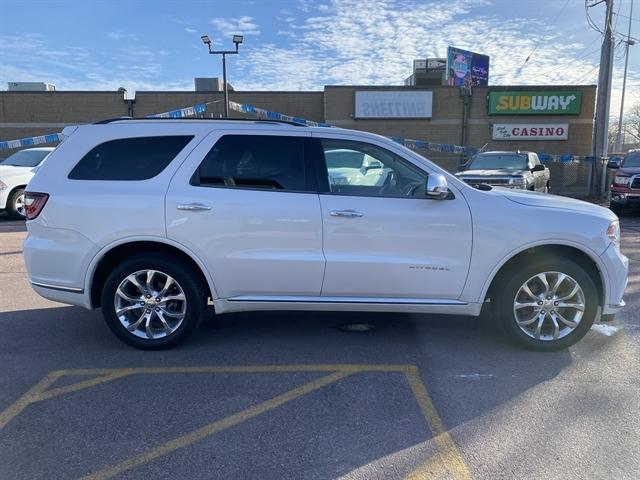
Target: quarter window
129,158
255,161
358,168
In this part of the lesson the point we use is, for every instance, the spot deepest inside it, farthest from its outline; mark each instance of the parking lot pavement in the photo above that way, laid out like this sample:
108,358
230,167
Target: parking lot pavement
291,395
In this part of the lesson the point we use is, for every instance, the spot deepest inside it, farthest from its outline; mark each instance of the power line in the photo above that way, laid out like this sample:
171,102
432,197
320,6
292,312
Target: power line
552,23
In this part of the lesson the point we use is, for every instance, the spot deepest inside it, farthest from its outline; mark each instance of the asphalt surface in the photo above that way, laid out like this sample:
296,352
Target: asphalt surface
291,395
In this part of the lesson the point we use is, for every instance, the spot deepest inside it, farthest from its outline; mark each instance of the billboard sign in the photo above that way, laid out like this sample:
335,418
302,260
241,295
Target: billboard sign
564,102
393,104
466,68
531,131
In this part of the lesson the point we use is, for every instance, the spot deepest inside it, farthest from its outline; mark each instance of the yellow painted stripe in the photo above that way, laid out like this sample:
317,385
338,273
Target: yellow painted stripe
215,427
54,392
28,398
449,453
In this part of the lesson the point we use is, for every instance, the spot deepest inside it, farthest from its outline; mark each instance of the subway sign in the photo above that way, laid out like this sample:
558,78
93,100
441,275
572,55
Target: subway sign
564,102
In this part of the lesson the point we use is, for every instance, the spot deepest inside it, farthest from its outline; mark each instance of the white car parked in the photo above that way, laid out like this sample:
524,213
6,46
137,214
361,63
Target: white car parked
149,218
15,173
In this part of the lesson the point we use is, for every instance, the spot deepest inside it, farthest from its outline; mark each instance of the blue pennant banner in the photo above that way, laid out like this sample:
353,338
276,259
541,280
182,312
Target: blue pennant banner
31,141
183,112
269,115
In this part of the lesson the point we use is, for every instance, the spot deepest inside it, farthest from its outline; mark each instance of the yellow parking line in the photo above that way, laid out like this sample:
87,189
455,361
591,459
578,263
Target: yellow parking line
30,397
217,426
54,392
451,457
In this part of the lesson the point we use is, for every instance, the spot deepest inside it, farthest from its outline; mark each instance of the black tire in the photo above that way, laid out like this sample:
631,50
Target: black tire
183,274
511,281
12,207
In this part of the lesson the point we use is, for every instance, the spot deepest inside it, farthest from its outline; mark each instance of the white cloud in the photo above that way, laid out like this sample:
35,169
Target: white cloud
190,30
364,42
229,26
119,35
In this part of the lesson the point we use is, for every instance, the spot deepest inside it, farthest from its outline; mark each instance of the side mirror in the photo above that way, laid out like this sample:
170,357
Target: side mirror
437,187
370,164
538,168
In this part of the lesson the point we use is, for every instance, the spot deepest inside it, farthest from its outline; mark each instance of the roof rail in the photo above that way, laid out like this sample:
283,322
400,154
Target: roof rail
262,120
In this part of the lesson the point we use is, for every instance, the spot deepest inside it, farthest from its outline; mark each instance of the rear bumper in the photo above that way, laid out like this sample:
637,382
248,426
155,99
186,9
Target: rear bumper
65,295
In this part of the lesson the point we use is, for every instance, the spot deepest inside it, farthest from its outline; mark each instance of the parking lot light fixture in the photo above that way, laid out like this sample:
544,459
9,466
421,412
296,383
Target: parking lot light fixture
237,40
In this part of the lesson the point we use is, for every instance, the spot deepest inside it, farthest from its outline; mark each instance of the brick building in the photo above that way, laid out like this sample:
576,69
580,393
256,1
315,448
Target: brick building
26,114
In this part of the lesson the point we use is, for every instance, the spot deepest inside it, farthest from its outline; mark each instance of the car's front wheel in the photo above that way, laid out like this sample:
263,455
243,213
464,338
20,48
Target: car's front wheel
153,301
547,304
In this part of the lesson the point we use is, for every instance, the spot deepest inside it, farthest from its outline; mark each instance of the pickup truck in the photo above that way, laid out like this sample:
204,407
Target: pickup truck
521,170
625,188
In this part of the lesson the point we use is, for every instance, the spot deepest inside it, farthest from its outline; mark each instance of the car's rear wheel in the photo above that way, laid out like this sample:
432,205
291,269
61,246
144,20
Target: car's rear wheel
152,301
15,205
548,304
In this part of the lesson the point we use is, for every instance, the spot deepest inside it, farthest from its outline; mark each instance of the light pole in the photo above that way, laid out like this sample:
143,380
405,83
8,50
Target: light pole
237,40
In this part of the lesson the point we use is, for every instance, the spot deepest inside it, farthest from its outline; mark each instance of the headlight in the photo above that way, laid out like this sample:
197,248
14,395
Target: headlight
613,232
3,186
518,182
621,180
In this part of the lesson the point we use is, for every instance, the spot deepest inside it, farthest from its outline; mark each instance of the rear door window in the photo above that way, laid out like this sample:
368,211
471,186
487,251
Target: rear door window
269,162
138,158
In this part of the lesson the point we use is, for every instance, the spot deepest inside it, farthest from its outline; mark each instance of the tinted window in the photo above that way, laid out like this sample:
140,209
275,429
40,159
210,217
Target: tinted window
358,168
491,161
255,161
129,158
26,158
632,159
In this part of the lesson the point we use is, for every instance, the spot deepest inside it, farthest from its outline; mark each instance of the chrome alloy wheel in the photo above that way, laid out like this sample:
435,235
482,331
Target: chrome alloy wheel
19,205
150,304
549,306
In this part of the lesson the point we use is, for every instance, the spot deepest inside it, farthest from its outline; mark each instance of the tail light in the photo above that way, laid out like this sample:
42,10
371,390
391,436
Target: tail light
34,203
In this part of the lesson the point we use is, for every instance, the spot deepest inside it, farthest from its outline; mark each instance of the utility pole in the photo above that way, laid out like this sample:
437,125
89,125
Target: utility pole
629,42
603,98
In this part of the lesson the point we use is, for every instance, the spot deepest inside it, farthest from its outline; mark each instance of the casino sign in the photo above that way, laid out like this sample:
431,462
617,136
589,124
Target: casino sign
530,131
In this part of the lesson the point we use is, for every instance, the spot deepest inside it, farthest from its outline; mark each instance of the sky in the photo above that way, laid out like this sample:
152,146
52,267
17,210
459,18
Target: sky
305,44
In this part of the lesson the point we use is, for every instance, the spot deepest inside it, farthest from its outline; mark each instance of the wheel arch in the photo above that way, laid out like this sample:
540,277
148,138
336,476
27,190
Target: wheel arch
587,260
112,254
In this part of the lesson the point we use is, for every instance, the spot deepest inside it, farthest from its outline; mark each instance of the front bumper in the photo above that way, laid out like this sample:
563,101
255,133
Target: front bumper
625,199
616,269
4,196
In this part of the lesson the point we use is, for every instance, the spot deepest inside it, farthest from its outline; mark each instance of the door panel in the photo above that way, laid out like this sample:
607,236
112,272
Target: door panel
254,241
396,247
382,236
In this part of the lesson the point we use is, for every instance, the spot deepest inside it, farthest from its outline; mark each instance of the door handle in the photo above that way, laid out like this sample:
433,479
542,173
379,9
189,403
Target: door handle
193,207
346,213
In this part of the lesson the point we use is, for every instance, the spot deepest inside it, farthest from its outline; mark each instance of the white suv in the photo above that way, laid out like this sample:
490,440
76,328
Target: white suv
147,219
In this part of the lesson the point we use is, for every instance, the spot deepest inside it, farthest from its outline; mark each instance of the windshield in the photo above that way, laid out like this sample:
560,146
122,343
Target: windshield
631,160
511,161
26,158
343,158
